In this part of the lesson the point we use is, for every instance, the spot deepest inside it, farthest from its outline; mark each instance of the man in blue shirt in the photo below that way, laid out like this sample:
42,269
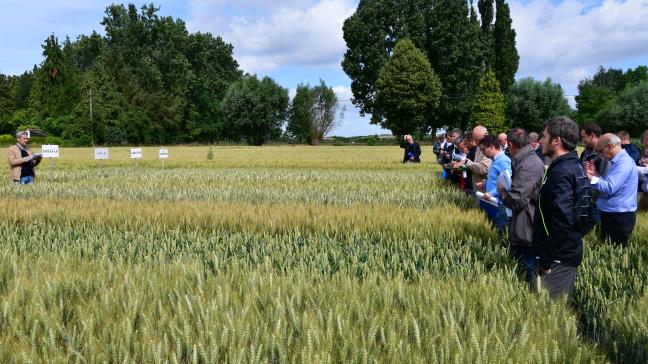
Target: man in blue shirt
501,164
617,201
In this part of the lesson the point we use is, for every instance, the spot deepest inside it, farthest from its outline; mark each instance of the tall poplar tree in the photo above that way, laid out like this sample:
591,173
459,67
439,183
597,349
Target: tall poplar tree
454,51
506,58
486,13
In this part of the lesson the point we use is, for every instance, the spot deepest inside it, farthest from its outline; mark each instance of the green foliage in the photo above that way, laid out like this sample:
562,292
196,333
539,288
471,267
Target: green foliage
7,102
149,79
210,153
628,111
7,139
408,90
506,57
55,91
371,34
599,93
486,14
448,32
488,109
254,110
530,103
454,52
314,112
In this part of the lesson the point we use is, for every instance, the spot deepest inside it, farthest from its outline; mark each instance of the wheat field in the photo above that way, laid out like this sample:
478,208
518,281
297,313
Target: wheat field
288,254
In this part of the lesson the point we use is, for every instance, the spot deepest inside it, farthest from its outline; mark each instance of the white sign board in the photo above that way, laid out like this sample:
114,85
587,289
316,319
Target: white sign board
50,151
136,153
164,153
101,153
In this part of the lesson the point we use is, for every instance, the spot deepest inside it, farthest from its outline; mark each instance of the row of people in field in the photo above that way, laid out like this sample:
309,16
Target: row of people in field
536,189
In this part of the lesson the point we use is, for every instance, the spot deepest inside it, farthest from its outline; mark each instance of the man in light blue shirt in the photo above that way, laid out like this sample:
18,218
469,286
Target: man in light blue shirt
617,201
501,164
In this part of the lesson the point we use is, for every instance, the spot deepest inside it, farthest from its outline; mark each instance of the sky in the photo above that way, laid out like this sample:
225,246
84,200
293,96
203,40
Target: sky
300,41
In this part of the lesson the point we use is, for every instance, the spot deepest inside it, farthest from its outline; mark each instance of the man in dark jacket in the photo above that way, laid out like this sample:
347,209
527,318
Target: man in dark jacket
631,149
412,150
521,198
557,228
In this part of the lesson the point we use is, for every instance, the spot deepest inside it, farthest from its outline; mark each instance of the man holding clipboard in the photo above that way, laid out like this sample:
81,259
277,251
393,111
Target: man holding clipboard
22,161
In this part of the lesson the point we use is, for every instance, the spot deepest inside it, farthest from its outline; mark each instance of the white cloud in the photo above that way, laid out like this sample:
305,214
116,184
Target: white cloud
277,33
569,40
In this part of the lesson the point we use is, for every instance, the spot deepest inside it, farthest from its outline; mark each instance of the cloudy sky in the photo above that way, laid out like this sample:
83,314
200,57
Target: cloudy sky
297,41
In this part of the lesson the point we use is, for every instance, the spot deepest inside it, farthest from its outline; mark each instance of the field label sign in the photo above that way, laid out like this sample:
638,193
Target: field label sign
50,151
164,153
136,153
101,153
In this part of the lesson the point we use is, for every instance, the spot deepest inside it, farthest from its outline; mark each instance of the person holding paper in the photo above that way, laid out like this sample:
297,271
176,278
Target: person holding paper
22,161
412,150
557,228
521,197
501,164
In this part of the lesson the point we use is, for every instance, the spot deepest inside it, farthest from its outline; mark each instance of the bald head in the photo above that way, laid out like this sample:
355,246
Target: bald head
479,132
609,145
502,138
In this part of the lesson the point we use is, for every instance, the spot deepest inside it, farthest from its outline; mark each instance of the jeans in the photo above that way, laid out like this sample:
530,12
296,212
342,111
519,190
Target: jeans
25,180
527,259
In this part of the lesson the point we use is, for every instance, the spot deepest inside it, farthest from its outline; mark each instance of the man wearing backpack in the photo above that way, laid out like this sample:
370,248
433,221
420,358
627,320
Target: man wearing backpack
617,201
557,227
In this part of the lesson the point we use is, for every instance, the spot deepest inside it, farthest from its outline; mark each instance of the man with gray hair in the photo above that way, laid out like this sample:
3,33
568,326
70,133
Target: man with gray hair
522,199
534,141
617,201
22,161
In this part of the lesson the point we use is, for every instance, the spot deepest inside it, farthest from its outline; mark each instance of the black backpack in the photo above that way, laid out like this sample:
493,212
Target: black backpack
586,206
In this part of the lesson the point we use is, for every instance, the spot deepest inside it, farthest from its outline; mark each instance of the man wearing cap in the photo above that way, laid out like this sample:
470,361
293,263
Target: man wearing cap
22,161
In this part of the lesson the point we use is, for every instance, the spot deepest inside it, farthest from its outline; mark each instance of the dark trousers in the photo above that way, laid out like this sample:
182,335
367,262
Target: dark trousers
559,282
617,226
526,257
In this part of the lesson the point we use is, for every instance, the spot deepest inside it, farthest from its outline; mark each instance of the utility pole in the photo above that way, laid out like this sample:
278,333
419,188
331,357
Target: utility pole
91,121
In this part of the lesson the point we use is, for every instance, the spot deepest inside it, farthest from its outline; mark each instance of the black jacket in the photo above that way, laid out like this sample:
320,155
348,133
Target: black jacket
632,151
413,148
557,230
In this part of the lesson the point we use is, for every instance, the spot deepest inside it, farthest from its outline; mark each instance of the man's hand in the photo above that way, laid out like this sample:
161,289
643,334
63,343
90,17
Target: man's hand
590,171
500,187
487,196
545,271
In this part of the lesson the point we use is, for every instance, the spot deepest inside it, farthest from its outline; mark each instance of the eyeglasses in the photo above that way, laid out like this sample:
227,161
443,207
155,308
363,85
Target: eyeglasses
604,148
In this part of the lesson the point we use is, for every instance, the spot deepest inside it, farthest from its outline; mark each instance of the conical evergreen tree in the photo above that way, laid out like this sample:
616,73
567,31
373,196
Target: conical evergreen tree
488,109
408,90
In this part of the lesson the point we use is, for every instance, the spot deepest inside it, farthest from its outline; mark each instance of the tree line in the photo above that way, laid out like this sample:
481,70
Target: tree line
150,81
419,65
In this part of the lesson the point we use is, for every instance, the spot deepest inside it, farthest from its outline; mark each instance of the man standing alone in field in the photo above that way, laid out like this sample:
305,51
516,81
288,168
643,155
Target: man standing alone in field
557,228
22,161
412,150
521,199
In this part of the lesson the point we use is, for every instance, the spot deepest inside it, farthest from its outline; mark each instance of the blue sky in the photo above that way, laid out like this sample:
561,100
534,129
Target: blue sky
299,41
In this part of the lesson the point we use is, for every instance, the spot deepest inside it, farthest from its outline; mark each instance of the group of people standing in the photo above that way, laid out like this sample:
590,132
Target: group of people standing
543,196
